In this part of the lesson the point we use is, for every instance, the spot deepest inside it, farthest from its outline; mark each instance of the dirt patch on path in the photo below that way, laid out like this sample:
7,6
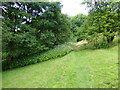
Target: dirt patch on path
81,42
76,46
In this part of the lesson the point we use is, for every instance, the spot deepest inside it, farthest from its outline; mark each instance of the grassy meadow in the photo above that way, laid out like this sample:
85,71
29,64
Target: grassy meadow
78,69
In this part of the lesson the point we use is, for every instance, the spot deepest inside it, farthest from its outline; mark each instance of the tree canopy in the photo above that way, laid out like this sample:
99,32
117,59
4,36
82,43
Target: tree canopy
76,23
103,18
32,27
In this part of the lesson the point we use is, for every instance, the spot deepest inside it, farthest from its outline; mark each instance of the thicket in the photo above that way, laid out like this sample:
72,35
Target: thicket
101,25
58,51
76,22
32,27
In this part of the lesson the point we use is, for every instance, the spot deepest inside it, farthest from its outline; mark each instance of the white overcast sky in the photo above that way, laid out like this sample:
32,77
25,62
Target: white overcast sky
73,7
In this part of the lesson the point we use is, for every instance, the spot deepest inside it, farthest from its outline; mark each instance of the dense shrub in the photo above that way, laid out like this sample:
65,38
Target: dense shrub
100,43
97,41
76,23
58,51
32,27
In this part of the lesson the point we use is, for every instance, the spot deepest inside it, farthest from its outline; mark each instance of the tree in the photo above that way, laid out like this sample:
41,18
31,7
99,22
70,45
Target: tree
32,27
77,22
103,16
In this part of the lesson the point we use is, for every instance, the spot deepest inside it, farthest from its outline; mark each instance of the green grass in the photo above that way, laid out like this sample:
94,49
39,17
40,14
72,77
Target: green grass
80,69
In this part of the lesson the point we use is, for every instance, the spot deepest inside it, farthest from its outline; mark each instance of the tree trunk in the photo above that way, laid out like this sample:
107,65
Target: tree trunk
110,39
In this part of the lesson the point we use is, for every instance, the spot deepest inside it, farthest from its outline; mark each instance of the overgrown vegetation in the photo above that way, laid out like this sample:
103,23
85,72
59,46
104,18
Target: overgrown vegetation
76,23
103,19
58,51
32,30
101,26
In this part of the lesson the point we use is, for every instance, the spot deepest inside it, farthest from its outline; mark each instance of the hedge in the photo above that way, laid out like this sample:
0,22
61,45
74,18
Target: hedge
58,51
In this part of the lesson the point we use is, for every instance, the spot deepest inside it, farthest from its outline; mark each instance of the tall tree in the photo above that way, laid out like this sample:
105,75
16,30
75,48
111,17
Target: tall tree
32,27
104,16
77,22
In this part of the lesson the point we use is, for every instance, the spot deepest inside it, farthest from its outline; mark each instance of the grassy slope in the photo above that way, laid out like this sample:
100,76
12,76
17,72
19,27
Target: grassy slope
81,69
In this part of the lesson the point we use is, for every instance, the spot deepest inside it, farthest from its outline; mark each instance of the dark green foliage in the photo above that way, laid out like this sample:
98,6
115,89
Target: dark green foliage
77,21
17,45
58,51
104,18
32,27
101,26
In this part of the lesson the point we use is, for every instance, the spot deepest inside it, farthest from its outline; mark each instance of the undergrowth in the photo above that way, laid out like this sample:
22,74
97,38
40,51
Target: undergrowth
58,51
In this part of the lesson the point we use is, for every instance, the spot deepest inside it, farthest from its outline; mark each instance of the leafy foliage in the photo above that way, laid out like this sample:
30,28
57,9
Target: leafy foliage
58,51
32,27
103,18
77,22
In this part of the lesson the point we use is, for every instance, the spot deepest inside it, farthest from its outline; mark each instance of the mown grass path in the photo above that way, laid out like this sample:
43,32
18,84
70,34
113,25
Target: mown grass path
80,69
